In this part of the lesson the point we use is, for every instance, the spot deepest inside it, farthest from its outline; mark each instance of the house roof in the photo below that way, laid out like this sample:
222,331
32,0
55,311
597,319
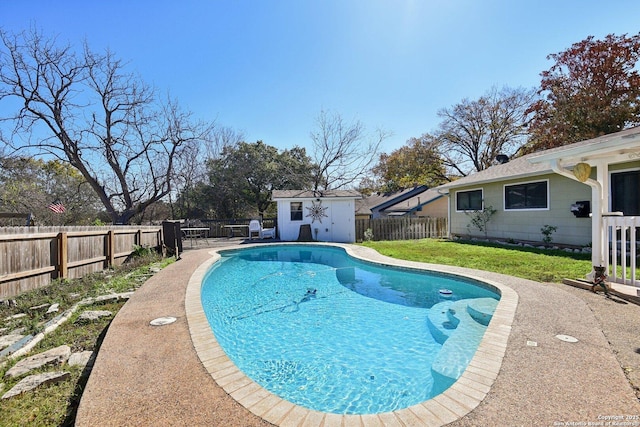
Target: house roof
397,202
413,203
519,167
537,163
379,200
362,208
310,194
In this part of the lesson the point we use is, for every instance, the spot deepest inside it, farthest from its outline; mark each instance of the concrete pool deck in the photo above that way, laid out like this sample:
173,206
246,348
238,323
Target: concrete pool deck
164,375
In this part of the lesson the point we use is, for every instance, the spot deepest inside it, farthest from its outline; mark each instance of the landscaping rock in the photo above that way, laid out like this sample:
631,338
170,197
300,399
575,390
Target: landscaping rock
39,307
17,346
106,298
9,340
55,355
33,381
92,315
80,359
54,308
113,297
15,316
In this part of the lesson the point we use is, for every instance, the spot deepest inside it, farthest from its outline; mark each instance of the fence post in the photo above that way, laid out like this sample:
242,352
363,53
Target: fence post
63,255
111,248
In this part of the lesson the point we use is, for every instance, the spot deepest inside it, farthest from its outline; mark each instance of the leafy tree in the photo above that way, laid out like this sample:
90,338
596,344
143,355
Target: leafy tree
473,133
85,109
342,152
417,163
245,175
592,89
30,185
368,185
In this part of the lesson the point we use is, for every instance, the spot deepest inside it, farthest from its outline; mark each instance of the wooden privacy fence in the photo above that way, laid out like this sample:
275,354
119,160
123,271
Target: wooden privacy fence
30,257
409,228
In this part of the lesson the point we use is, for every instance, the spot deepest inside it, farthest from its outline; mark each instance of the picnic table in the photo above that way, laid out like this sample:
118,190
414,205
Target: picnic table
239,228
192,233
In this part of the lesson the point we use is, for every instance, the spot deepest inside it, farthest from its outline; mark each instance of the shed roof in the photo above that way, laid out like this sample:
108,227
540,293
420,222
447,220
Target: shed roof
310,194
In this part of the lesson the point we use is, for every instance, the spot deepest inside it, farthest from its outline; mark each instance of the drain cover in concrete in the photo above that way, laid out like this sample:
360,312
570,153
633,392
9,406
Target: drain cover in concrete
566,338
161,321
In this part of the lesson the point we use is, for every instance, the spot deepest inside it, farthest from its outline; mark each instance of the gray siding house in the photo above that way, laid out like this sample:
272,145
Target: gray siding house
528,193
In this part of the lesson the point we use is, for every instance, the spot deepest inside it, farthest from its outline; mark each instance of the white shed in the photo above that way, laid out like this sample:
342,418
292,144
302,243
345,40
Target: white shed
329,214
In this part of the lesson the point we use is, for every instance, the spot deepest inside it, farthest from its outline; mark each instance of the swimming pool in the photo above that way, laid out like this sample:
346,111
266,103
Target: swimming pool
331,333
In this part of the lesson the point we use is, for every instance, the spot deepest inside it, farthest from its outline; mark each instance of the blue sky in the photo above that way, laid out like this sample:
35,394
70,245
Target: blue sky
268,68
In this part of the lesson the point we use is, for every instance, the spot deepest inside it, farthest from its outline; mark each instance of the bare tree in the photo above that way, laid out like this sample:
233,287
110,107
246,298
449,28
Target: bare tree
221,138
191,169
84,108
473,133
342,151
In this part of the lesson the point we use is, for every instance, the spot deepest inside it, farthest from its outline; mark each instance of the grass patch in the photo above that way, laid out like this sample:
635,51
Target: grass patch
56,405
528,263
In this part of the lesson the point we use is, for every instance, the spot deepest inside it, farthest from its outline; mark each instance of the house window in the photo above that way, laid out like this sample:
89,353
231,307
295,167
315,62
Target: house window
530,195
296,211
469,200
625,196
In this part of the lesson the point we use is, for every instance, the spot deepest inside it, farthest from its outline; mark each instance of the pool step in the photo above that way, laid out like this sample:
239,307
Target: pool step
460,343
481,309
440,322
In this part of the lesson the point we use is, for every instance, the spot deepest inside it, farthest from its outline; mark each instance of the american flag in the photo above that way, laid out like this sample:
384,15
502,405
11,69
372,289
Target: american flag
57,207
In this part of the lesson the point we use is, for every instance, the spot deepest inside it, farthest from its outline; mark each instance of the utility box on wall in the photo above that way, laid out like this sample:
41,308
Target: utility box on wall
581,209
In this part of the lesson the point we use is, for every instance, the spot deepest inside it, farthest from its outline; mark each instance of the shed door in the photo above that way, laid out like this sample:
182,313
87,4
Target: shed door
342,225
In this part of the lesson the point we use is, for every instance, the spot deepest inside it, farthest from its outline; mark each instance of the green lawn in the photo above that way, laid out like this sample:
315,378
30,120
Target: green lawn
528,263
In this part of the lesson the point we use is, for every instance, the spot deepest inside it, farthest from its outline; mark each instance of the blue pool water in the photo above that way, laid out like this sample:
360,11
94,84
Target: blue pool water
335,334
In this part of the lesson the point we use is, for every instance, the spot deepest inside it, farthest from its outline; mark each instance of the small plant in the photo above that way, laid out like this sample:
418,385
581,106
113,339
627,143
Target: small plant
547,231
141,251
368,235
480,219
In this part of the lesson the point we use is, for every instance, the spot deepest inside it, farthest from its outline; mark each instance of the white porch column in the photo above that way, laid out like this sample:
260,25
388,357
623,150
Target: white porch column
600,200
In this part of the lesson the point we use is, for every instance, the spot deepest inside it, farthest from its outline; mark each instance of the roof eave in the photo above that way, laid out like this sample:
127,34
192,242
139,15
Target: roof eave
500,179
616,147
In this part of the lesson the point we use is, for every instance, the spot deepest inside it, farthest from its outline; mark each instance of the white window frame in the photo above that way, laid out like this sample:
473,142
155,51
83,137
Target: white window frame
291,211
610,207
468,191
504,196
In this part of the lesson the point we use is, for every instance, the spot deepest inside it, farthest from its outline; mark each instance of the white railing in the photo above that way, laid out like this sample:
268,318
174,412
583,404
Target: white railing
622,257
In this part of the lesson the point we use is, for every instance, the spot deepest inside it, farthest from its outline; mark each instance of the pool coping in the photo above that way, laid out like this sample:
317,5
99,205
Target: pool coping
454,403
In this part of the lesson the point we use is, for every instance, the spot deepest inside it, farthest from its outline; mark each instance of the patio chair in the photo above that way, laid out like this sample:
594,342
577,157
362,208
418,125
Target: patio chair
268,233
255,227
